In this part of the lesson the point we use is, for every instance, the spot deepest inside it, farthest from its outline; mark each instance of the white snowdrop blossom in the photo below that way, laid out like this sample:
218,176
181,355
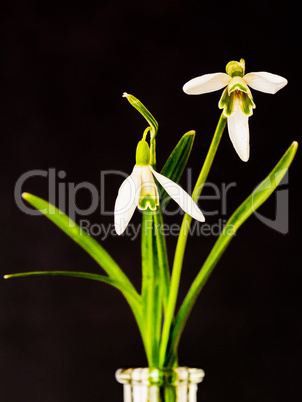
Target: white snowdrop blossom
236,100
139,190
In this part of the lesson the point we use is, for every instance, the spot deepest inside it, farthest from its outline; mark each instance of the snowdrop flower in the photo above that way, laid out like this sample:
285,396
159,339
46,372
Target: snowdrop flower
139,190
236,100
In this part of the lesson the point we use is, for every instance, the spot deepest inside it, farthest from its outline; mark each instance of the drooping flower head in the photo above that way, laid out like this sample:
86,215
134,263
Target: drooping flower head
139,190
236,100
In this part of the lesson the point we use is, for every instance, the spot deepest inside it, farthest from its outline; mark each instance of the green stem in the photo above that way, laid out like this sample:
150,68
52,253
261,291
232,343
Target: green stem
162,257
209,158
153,152
182,240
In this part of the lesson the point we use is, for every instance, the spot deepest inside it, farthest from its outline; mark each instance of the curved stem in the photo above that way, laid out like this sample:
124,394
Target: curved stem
182,239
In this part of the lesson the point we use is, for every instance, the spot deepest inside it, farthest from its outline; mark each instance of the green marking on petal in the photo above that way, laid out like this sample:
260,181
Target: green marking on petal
237,84
224,99
238,87
227,102
148,201
246,104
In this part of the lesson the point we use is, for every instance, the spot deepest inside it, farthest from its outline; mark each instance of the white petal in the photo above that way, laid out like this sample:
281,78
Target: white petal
180,196
238,127
206,83
127,200
265,82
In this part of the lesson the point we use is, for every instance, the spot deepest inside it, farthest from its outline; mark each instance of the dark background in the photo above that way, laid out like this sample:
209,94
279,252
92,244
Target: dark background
64,67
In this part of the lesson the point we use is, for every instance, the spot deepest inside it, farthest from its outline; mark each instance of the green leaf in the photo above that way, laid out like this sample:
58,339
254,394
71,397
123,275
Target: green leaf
147,280
137,104
151,288
88,243
91,246
75,274
177,161
245,210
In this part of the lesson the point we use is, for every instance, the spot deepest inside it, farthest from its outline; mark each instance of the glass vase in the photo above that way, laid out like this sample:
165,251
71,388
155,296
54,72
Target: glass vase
160,385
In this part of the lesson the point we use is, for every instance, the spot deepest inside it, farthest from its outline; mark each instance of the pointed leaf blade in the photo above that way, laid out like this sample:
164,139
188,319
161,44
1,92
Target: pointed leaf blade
76,274
88,243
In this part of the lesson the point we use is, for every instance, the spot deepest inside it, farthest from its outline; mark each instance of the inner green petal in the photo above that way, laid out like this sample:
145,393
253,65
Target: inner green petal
148,201
246,104
227,102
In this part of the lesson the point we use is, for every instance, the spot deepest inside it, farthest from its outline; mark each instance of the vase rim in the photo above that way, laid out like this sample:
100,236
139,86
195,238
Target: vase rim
157,376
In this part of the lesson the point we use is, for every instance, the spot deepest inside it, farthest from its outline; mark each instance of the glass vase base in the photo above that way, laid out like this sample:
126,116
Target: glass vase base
177,384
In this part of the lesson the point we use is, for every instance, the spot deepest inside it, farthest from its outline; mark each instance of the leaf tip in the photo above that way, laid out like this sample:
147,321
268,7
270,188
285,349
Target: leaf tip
293,148
25,196
191,132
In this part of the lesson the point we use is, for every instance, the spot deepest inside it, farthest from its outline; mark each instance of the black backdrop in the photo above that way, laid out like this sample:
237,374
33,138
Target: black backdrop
64,68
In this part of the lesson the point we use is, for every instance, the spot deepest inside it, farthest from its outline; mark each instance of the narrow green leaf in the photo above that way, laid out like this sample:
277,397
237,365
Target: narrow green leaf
151,294
245,210
137,104
90,245
147,280
177,161
157,304
84,275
